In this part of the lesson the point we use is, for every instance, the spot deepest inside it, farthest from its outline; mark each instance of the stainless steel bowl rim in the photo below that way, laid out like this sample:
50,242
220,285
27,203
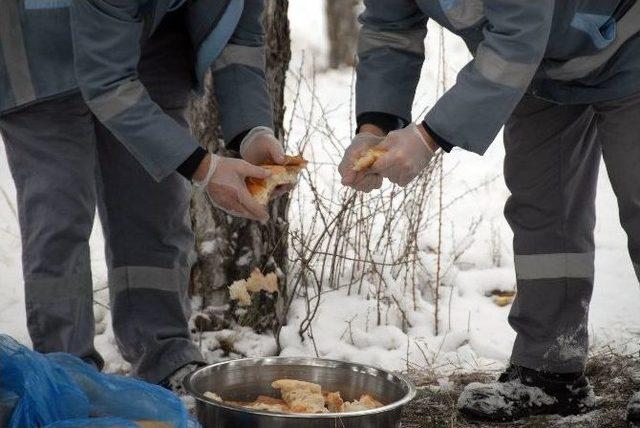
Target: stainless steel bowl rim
410,395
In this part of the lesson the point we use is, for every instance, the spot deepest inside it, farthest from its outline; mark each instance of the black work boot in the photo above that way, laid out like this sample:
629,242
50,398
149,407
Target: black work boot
174,381
522,392
633,410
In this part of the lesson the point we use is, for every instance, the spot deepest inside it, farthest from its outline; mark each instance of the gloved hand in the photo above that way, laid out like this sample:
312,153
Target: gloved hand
407,153
226,187
261,147
366,180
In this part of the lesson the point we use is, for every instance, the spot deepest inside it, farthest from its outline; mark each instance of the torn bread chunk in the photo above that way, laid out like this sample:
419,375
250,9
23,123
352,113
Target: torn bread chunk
368,159
333,401
262,189
241,290
270,404
258,282
238,292
366,402
212,396
301,397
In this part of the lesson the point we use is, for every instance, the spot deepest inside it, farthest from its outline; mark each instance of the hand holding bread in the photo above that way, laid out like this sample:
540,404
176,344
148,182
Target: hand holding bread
282,178
400,157
227,188
358,157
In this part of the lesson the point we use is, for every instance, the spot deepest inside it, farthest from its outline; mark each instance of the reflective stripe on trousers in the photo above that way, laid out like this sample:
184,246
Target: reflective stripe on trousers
558,265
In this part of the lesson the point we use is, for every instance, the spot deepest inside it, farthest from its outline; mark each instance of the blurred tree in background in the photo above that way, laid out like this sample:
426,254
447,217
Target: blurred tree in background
342,31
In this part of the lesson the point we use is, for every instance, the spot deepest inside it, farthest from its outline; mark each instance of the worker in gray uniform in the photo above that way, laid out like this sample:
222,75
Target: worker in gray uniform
93,97
564,79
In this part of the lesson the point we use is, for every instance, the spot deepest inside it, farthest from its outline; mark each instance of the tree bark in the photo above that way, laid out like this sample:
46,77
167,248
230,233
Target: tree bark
342,30
229,248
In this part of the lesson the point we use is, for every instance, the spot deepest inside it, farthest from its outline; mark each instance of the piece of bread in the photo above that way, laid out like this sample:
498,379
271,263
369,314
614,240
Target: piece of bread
366,402
262,189
238,292
241,290
368,159
333,401
257,282
301,397
270,404
212,396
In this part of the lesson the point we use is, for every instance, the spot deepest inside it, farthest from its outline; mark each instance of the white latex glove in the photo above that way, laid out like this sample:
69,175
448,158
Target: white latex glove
407,154
226,187
366,180
261,147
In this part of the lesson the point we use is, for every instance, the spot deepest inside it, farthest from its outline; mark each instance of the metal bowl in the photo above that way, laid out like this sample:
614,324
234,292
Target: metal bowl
244,380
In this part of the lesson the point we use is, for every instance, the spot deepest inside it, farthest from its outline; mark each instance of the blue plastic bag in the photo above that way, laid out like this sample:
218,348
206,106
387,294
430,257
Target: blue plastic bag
95,423
61,390
47,393
124,397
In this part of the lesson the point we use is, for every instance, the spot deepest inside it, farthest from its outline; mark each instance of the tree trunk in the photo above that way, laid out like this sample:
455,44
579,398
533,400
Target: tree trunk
229,248
342,30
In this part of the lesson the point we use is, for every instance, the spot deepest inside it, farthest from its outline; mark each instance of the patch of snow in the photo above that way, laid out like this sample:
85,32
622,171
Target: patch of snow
502,398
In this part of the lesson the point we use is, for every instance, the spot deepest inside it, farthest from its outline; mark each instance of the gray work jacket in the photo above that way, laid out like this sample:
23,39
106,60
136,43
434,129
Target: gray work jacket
566,51
53,47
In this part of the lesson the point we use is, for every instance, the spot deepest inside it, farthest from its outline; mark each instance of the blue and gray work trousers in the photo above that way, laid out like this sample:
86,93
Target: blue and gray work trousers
552,158
65,163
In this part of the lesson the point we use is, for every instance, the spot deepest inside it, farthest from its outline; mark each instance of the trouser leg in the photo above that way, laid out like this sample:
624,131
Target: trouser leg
619,134
551,169
150,244
51,153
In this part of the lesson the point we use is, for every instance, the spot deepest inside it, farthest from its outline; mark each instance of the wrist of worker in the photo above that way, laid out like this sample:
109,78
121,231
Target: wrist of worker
368,128
205,171
253,136
443,143
426,137
189,167
385,122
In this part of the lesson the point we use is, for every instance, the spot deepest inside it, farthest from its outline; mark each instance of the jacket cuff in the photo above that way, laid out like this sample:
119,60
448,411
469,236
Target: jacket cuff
189,166
385,121
444,144
235,142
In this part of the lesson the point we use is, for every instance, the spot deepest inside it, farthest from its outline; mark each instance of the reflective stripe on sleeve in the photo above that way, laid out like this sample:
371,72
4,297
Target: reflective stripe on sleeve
560,265
463,13
498,70
408,41
116,101
243,55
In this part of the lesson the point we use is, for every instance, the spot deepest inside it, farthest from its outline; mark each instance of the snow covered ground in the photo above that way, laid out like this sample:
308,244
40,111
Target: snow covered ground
476,333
